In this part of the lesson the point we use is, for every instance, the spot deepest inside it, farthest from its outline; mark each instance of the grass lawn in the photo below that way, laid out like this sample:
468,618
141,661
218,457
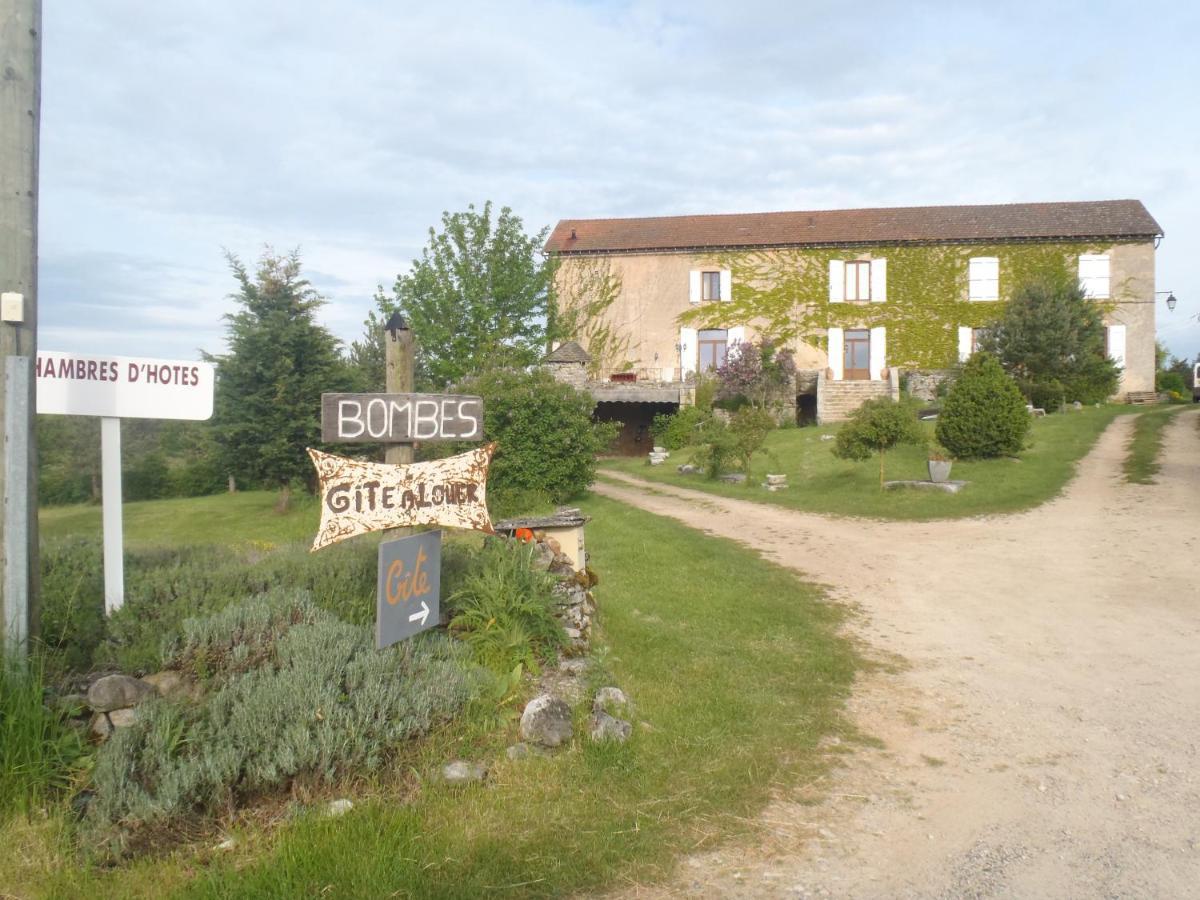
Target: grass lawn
821,483
734,665
1141,465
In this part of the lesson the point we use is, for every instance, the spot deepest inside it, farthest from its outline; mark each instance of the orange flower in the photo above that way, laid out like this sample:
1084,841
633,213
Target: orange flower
523,534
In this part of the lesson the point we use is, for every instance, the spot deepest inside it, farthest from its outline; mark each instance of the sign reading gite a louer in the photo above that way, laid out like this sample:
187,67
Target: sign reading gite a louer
123,387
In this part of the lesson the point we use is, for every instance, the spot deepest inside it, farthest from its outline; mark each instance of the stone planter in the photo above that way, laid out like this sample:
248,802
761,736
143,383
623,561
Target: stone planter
939,470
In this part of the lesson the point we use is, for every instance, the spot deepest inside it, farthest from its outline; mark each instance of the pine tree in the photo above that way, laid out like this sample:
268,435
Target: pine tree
268,395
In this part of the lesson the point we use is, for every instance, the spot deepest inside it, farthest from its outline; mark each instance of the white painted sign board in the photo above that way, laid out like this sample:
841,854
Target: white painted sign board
123,387
115,388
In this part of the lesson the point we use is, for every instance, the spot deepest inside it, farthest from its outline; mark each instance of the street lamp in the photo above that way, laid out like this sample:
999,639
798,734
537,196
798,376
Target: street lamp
1171,301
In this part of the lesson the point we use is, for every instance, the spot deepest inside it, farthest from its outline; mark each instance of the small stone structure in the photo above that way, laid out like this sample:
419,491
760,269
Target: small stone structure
561,533
658,456
568,363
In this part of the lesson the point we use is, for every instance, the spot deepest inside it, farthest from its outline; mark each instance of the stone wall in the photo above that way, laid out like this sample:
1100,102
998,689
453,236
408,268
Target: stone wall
924,385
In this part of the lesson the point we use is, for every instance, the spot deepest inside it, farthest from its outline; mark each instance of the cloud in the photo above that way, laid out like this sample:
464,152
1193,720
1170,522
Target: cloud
172,132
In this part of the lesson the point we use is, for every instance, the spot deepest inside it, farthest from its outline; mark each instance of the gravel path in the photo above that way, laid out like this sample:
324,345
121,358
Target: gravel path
1042,734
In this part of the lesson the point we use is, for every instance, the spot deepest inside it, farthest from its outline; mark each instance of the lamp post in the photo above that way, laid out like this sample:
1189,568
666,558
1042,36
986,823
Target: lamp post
1171,301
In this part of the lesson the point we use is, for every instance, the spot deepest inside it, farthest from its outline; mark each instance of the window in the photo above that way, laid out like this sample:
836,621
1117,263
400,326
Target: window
710,285
713,343
1093,275
858,279
856,365
983,275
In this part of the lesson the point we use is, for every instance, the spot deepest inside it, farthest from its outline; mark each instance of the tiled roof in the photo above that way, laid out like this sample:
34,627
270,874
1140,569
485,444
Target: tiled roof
1010,221
568,352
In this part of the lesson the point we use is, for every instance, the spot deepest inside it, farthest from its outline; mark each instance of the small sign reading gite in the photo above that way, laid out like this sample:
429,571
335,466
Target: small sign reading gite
358,497
410,574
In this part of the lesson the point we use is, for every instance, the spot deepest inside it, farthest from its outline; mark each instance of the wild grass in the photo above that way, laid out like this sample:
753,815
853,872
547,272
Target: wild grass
821,483
1142,456
737,671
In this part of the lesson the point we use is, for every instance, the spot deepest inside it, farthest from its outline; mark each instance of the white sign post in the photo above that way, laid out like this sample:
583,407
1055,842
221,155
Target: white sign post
115,388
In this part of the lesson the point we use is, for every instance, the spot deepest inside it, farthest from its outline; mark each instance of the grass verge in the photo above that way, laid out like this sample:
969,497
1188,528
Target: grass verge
737,671
821,483
1141,460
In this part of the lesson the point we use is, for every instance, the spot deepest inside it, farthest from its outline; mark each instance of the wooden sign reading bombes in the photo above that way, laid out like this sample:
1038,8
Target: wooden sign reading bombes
359,497
400,418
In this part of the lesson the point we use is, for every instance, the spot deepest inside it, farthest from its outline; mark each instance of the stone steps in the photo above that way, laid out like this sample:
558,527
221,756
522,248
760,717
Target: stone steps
839,399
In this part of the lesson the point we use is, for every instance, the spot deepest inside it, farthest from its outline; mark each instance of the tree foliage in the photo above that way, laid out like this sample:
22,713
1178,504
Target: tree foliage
267,408
1050,338
876,427
984,414
587,291
479,297
547,441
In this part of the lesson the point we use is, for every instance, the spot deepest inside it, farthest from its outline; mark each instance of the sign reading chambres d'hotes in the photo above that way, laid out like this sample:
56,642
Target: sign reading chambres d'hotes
400,418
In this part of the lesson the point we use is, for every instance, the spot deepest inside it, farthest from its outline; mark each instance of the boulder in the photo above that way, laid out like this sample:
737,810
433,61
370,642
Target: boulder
169,684
100,726
610,699
521,751
338,808
573,666
122,718
462,772
546,721
116,692
734,478
603,727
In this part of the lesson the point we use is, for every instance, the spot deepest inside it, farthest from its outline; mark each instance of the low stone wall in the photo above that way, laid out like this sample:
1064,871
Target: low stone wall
924,385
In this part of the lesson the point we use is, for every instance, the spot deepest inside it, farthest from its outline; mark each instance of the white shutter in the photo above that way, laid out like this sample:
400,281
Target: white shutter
964,343
984,278
837,281
726,285
694,286
1116,344
735,335
878,280
1094,275
837,351
878,352
689,351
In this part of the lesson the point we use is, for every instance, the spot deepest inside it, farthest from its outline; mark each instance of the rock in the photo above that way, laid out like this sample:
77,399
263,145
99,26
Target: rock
828,437
543,556
1076,406
117,691
573,666
546,721
734,478
554,545
609,699
777,479
462,772
100,726
521,751
229,843
662,450
689,469
338,808
122,718
603,727
170,684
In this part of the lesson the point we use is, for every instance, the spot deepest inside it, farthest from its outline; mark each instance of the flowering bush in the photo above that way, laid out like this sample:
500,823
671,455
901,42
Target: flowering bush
757,373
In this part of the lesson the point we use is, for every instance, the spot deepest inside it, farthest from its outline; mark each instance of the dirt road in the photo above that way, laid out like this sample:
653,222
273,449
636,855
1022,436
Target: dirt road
1043,738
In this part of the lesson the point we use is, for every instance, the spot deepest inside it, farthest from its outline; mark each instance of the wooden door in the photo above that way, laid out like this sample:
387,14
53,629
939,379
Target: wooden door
857,359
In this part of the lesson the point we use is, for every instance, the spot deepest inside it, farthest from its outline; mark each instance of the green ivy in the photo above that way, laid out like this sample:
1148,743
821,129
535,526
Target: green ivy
786,294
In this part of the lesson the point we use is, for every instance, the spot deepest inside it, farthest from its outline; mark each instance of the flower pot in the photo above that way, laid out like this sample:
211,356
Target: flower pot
939,470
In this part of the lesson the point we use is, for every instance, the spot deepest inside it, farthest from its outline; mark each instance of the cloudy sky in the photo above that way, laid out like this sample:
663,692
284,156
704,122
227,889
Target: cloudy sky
173,131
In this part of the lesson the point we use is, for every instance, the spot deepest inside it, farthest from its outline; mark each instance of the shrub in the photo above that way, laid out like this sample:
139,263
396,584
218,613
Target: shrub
504,610
756,373
310,695
1171,382
547,441
717,448
984,415
678,430
876,427
750,427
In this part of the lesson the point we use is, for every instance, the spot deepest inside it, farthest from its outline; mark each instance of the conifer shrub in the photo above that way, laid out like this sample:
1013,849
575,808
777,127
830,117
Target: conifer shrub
984,414
290,691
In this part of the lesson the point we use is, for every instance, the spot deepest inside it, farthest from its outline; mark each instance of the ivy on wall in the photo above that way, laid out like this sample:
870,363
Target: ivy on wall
786,294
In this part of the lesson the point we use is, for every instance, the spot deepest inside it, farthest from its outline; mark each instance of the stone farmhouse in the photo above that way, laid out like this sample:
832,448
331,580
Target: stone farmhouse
859,296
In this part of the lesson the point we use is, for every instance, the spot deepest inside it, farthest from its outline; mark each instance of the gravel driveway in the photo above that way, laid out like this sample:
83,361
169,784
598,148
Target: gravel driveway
1041,730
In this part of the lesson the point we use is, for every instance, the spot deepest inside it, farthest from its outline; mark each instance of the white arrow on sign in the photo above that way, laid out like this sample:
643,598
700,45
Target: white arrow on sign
422,615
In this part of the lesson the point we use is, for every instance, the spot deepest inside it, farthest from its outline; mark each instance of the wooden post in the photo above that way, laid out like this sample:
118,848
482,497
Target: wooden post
398,375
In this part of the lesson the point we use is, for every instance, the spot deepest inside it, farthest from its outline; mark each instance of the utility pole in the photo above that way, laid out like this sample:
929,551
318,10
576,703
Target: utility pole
20,118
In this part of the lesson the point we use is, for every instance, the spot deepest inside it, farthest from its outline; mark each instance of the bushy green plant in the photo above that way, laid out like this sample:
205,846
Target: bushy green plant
984,414
1172,382
165,586
311,696
546,439
680,429
39,750
718,448
876,427
504,610
750,426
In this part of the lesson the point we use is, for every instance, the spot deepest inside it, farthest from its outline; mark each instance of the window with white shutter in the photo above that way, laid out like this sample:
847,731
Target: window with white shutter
878,281
694,278
1094,275
837,347
983,275
966,342
1115,344
837,281
688,352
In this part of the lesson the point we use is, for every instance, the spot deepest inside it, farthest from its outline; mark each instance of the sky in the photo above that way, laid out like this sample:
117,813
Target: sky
173,133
